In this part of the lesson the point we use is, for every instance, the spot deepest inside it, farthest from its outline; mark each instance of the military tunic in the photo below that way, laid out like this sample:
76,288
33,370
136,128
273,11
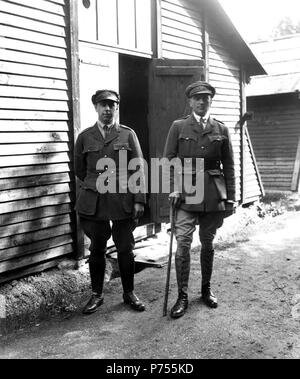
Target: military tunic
90,147
187,140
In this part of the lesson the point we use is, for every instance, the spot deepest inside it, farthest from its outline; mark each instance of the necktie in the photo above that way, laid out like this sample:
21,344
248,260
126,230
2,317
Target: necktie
202,123
106,130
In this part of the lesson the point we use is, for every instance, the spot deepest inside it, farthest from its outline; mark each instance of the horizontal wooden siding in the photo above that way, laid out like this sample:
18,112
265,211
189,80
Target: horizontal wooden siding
275,135
35,173
182,30
226,76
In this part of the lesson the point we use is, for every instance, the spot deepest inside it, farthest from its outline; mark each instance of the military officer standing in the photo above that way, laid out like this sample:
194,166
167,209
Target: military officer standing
103,215
200,136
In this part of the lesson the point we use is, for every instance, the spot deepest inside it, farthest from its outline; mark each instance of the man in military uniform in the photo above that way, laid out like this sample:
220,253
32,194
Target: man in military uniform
200,136
105,214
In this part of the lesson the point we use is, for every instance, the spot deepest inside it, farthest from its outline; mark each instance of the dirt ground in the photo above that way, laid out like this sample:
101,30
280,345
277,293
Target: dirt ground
257,281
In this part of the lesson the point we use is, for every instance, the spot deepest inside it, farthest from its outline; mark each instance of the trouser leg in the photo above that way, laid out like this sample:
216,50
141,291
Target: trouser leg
99,233
122,232
184,229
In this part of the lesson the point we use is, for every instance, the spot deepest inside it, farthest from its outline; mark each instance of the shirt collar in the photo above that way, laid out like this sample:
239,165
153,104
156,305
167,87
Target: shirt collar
101,125
204,118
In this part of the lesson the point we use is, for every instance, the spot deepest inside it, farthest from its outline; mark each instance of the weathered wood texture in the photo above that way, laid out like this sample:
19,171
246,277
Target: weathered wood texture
275,135
281,59
35,152
189,33
168,76
124,24
182,30
226,75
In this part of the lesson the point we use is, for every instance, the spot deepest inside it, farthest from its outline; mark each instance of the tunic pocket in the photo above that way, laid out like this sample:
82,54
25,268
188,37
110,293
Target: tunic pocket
91,149
216,142
92,154
187,146
122,146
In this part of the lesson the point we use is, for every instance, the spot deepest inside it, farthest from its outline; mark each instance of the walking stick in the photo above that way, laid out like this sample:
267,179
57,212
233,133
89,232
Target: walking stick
170,261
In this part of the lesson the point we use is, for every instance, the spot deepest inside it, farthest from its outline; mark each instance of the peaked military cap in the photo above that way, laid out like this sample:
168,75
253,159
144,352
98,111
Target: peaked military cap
105,95
199,88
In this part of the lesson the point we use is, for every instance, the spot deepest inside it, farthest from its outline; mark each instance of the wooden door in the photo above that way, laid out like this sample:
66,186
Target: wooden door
99,69
167,102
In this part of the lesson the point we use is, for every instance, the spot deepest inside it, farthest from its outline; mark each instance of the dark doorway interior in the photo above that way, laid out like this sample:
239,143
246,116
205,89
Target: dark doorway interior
134,91
134,97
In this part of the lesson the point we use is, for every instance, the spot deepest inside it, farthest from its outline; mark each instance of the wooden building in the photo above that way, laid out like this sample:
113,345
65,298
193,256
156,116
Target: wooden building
275,101
53,55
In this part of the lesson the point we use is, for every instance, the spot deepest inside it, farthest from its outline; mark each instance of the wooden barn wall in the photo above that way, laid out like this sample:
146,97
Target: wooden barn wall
275,136
188,34
224,73
181,30
35,136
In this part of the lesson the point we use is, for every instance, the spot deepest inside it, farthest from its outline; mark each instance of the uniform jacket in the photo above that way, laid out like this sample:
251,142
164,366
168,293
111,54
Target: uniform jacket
89,148
187,139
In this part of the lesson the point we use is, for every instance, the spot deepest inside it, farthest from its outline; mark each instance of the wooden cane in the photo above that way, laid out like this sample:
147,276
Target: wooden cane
170,261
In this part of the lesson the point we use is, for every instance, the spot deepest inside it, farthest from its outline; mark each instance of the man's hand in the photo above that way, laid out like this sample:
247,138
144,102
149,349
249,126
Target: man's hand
138,211
175,199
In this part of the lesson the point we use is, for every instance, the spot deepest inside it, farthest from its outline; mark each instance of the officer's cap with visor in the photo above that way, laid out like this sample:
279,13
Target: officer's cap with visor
105,95
200,88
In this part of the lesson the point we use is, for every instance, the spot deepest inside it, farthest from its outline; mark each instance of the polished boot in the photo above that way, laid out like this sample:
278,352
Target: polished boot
135,303
180,306
208,297
182,266
93,304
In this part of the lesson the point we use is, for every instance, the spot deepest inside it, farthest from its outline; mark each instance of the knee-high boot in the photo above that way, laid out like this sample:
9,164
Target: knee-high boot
207,259
182,265
97,273
127,268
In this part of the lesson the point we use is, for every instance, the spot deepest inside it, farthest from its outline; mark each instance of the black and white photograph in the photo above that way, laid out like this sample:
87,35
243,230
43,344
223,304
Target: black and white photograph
149,182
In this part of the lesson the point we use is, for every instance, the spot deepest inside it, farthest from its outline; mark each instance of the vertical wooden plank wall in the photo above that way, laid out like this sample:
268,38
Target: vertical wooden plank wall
124,24
35,177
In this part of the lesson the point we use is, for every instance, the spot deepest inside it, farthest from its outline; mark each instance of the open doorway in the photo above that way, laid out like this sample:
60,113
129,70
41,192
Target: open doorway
134,97
134,92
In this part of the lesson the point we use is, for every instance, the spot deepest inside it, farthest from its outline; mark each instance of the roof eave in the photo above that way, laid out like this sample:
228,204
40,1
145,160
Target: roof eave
232,35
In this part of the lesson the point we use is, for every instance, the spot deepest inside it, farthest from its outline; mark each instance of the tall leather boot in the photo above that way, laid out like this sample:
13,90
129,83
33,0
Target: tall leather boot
207,258
127,269
180,306
182,264
97,272
97,267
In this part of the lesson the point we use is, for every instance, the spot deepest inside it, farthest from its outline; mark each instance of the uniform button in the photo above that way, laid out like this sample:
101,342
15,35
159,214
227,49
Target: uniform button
202,147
